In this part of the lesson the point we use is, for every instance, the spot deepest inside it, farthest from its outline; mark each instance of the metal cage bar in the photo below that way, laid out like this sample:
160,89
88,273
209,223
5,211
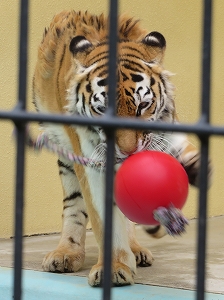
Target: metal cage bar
108,211
110,122
20,156
204,139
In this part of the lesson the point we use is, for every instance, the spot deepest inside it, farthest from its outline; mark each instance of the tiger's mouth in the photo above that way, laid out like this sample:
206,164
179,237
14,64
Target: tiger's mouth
143,144
150,142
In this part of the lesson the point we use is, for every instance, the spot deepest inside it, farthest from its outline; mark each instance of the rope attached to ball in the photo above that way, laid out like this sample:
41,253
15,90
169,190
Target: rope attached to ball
171,218
43,141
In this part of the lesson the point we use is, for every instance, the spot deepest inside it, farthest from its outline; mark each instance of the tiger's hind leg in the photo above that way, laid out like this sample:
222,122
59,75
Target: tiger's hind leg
143,256
70,253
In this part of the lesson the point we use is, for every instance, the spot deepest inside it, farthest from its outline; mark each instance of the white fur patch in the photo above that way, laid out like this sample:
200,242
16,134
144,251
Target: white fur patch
75,101
152,38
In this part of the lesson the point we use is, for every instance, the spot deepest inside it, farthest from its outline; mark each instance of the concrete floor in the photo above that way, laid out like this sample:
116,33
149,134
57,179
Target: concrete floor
175,258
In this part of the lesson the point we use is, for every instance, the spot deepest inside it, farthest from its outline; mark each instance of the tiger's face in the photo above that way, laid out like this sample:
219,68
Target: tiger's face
143,87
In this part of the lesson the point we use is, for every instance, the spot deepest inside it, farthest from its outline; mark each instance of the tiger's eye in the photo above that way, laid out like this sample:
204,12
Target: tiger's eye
143,104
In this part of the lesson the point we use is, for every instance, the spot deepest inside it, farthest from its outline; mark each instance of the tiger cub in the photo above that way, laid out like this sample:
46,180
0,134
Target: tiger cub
71,78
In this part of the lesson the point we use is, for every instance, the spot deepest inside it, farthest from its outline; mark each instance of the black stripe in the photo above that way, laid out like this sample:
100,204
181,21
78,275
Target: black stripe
102,44
92,107
128,56
127,30
130,61
126,64
104,72
73,196
73,215
83,104
84,213
153,110
78,223
77,92
90,98
67,167
59,69
71,240
98,58
132,49
96,276
122,276
99,68
148,92
92,129
126,25
88,87
132,68
138,112
124,76
161,96
127,93
67,206
101,58
163,82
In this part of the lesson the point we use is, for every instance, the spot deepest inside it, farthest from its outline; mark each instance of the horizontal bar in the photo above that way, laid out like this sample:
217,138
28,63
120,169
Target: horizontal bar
200,128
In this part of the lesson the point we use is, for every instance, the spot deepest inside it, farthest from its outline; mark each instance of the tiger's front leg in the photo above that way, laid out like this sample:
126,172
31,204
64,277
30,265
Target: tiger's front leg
143,256
123,261
70,253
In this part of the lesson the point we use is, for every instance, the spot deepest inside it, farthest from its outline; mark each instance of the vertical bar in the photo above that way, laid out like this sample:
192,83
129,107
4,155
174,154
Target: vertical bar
108,219
205,112
19,196
112,83
24,7
202,225
19,193
206,60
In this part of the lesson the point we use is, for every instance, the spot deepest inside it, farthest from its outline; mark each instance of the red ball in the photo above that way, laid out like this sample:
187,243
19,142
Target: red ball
148,180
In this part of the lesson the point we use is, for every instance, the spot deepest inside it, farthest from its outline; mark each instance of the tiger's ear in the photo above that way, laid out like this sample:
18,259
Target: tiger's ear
157,44
155,39
79,44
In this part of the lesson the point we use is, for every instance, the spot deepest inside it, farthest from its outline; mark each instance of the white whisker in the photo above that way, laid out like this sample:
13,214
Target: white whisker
169,147
98,155
161,143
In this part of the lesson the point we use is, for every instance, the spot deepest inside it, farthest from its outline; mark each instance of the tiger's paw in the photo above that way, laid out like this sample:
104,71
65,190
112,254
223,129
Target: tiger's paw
121,275
143,256
63,260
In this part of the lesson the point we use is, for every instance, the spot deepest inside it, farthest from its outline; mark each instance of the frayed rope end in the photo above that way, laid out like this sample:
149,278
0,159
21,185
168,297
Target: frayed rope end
172,219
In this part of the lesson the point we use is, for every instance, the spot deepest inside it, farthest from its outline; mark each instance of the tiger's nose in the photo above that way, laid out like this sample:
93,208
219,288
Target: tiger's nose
127,141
